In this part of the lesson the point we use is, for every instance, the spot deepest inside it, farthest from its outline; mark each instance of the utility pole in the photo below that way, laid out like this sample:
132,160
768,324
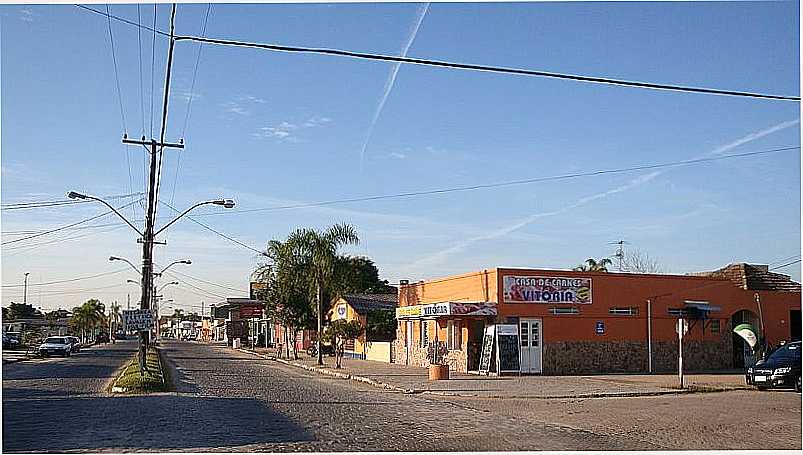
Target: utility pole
148,234
25,291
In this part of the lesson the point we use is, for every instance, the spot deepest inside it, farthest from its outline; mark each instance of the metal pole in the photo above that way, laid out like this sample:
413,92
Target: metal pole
320,322
25,292
649,336
680,351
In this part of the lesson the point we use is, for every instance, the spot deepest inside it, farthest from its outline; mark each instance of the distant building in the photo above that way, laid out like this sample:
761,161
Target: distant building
363,308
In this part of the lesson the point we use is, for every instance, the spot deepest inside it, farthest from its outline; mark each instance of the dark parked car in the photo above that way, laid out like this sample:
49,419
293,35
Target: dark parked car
56,345
780,370
9,342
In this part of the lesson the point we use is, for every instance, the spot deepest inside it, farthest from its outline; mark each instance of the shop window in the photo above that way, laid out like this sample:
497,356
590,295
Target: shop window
423,336
559,310
714,326
623,311
454,332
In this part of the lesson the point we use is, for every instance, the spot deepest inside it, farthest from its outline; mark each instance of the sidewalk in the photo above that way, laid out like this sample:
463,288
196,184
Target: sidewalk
409,379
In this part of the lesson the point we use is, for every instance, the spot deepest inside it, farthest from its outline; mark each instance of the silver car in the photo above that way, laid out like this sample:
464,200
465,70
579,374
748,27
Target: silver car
56,345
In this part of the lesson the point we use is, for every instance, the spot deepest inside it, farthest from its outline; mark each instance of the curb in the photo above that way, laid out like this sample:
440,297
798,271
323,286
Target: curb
375,383
336,374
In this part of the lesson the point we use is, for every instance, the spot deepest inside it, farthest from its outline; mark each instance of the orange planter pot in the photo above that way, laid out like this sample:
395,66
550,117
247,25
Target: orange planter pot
438,372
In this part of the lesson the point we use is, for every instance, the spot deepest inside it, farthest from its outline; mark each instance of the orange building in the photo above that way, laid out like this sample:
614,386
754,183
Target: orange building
569,322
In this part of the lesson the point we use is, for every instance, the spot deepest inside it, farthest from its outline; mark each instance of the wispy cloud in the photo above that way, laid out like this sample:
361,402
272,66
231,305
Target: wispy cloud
442,255
397,155
241,104
26,15
185,95
285,131
422,11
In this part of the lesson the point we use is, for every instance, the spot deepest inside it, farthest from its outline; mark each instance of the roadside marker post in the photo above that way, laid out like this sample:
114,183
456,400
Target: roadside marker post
682,327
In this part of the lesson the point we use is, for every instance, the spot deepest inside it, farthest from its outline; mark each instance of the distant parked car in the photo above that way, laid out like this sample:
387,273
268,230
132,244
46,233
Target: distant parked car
10,342
55,345
75,343
780,370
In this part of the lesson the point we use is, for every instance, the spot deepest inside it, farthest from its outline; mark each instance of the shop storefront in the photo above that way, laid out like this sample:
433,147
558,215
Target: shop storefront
569,322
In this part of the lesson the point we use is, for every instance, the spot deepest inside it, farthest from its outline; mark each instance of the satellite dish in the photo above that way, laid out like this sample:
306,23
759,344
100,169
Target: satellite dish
747,332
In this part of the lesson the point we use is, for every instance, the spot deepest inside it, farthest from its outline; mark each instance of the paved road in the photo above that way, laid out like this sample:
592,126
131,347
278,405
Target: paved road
231,401
39,393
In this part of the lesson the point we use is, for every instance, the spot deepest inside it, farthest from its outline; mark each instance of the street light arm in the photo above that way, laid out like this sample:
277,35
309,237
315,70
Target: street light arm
115,258
182,214
74,195
185,261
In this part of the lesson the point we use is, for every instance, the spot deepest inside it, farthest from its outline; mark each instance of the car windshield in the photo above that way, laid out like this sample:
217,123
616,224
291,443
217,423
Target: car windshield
788,352
55,340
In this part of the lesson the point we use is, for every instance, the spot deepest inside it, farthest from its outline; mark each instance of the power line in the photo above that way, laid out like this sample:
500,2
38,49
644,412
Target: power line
785,265
261,253
117,18
153,64
116,76
195,287
68,280
473,67
16,249
505,183
186,275
195,71
488,68
784,259
141,90
61,228
38,204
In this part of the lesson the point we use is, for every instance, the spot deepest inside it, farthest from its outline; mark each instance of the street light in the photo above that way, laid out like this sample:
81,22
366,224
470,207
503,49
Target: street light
165,285
25,292
115,258
184,261
74,195
227,203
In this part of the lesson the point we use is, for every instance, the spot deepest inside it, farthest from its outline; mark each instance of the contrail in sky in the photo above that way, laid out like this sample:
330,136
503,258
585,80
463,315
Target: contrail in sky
422,11
441,255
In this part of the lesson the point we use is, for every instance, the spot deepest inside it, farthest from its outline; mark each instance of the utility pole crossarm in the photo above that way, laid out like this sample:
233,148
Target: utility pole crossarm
151,142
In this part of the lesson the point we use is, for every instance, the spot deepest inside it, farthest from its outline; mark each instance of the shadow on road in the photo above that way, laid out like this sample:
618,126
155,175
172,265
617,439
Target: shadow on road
143,422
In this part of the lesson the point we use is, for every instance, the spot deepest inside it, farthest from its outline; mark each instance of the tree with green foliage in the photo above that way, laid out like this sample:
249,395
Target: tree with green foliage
594,265
87,318
339,332
380,325
317,254
23,311
358,275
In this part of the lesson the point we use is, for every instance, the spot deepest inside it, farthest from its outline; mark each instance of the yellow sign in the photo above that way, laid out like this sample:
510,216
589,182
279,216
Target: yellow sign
409,311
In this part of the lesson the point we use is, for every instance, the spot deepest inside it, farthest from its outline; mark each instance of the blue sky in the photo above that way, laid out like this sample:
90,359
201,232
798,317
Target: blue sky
270,129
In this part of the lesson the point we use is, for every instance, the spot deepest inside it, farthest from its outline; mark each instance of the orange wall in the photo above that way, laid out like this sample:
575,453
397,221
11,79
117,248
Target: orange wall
631,290
470,287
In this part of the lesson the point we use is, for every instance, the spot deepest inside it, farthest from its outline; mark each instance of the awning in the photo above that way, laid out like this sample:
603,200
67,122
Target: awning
700,305
446,309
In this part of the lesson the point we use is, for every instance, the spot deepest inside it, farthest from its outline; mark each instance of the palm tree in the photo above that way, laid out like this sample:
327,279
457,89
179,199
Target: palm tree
114,315
87,317
318,252
592,265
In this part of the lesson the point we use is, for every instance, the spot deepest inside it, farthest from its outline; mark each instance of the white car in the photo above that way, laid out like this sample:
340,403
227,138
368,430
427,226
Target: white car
75,343
56,345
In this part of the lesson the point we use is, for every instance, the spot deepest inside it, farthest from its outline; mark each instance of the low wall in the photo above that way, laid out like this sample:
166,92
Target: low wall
378,350
592,357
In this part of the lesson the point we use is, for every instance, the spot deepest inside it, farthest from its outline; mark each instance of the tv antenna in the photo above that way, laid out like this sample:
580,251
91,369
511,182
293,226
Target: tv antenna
620,252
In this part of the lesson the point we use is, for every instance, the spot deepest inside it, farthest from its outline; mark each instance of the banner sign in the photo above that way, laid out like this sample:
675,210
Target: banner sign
747,332
472,308
341,311
250,311
137,319
446,309
547,289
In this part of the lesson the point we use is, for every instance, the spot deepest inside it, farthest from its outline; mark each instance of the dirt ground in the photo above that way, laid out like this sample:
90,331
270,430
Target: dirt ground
742,419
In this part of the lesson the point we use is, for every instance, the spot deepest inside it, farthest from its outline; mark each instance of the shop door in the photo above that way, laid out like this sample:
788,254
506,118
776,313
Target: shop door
530,339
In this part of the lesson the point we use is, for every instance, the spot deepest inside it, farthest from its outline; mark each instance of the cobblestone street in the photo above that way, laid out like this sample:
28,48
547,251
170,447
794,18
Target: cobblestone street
233,401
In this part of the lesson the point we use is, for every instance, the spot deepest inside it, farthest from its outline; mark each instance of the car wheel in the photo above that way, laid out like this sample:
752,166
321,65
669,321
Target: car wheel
797,385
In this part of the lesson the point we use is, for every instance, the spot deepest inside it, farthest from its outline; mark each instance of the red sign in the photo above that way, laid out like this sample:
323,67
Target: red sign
250,311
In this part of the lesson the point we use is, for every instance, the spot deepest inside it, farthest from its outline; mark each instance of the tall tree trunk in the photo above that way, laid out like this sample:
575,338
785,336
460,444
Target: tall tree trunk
319,298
